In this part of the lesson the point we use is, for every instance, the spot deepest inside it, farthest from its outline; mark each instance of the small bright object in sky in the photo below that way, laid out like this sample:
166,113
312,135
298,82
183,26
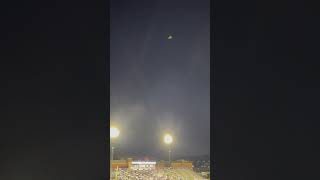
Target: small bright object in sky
114,132
168,139
170,37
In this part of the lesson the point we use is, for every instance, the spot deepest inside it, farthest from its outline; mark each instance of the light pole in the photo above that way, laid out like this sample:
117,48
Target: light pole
169,154
168,140
114,133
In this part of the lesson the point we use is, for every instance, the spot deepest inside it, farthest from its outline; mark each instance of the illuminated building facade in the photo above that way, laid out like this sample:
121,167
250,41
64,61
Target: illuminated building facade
133,165
143,165
182,164
149,165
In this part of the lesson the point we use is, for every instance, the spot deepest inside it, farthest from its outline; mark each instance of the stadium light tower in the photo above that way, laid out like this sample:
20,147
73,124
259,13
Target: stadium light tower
114,133
168,139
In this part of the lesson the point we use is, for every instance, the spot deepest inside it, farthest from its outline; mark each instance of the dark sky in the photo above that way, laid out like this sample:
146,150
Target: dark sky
157,84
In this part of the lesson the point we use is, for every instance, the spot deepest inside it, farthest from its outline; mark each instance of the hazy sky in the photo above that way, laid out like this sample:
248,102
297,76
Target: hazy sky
160,85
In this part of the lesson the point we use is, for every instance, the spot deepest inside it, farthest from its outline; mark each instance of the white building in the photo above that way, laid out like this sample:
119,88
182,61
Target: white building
143,165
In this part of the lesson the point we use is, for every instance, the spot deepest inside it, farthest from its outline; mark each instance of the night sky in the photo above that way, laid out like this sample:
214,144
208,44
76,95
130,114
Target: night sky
160,85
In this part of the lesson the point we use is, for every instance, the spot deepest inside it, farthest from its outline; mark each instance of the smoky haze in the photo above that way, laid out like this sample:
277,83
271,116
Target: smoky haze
158,84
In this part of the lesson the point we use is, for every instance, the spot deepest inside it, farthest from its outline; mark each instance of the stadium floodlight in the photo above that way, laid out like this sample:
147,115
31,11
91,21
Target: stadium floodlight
168,139
114,132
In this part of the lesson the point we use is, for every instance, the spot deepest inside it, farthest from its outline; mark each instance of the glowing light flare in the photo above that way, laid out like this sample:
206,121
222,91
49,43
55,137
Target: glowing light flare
167,139
114,132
